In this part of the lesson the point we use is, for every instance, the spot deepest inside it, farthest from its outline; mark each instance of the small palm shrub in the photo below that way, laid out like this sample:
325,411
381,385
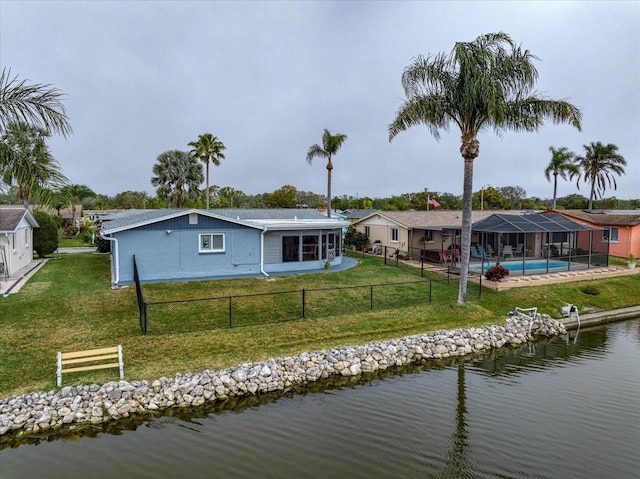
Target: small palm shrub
496,273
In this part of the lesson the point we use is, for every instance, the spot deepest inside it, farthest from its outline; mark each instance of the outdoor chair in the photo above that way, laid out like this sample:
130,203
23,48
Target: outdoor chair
490,252
518,251
445,257
507,251
474,253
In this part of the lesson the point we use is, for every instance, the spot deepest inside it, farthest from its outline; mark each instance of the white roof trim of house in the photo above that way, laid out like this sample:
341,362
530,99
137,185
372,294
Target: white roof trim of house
299,224
381,214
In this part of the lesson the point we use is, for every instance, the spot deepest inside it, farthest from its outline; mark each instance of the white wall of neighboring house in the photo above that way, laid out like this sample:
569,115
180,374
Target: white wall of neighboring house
381,230
18,247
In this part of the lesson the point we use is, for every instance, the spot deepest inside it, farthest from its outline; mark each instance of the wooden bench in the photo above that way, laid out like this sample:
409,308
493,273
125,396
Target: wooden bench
92,358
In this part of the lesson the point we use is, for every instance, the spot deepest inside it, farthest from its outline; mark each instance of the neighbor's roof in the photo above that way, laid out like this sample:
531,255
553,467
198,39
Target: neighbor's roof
434,219
605,217
546,223
253,218
11,217
358,213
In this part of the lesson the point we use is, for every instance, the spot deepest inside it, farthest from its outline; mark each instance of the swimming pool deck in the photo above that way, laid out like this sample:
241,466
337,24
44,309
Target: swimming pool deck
560,277
519,280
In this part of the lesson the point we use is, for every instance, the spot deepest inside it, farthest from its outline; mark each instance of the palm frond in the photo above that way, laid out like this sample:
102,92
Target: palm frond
37,104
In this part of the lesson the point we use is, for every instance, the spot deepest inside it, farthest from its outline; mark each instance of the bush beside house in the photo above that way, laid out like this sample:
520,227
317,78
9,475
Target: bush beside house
45,238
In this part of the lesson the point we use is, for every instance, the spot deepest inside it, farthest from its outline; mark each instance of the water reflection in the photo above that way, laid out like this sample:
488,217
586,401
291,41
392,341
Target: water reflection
457,459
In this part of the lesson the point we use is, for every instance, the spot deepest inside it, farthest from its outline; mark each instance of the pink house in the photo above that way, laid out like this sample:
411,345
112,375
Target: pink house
622,228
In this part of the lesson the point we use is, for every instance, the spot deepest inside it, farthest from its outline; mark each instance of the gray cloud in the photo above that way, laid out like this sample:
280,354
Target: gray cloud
268,77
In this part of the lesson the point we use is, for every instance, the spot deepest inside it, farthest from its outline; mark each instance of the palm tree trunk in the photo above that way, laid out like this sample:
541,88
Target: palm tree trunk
329,168
593,190
207,183
469,150
555,189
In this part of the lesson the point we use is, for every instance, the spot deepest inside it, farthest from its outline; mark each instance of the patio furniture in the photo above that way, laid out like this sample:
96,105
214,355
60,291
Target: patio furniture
507,251
475,254
445,257
518,251
490,251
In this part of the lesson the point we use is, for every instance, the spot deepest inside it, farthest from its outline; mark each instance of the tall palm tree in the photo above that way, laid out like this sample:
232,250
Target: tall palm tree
562,164
598,167
74,194
330,146
208,148
29,164
37,104
177,175
486,83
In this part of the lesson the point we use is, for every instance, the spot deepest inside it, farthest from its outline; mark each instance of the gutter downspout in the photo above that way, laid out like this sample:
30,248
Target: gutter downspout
264,230
115,271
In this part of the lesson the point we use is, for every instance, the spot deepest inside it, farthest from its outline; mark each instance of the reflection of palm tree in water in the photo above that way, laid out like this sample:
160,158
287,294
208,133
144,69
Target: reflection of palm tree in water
456,462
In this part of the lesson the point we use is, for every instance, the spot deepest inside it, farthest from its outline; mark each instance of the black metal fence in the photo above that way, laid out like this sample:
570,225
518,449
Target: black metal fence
200,314
142,306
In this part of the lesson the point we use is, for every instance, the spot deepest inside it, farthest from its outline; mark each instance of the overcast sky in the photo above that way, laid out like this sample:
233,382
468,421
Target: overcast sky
268,77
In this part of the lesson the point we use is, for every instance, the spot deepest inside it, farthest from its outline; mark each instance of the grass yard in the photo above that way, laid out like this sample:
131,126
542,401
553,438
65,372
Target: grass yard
68,305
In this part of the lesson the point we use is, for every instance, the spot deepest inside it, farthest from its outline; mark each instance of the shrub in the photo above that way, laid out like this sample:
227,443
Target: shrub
591,289
354,238
70,231
45,238
87,236
102,245
496,273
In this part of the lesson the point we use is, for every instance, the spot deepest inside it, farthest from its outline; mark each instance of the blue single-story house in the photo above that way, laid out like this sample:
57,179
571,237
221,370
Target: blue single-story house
187,244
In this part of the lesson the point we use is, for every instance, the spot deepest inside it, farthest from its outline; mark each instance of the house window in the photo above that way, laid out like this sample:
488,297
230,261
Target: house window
367,231
290,249
394,234
211,243
610,235
559,237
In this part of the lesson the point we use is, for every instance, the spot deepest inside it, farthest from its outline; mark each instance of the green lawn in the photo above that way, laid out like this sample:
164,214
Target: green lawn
68,305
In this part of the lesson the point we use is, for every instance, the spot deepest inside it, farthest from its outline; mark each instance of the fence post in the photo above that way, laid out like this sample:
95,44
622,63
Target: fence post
304,312
230,320
144,315
371,297
480,286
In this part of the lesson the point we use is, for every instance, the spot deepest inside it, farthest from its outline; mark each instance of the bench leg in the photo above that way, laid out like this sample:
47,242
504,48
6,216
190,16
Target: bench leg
59,370
120,361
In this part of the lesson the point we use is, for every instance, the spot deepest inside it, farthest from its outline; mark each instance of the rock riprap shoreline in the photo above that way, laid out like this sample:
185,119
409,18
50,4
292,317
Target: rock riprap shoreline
95,404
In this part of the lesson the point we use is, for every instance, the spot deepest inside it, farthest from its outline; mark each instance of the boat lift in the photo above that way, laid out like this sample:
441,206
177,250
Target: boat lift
528,313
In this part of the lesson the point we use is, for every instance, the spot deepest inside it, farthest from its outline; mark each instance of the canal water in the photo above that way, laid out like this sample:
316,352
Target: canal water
565,408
